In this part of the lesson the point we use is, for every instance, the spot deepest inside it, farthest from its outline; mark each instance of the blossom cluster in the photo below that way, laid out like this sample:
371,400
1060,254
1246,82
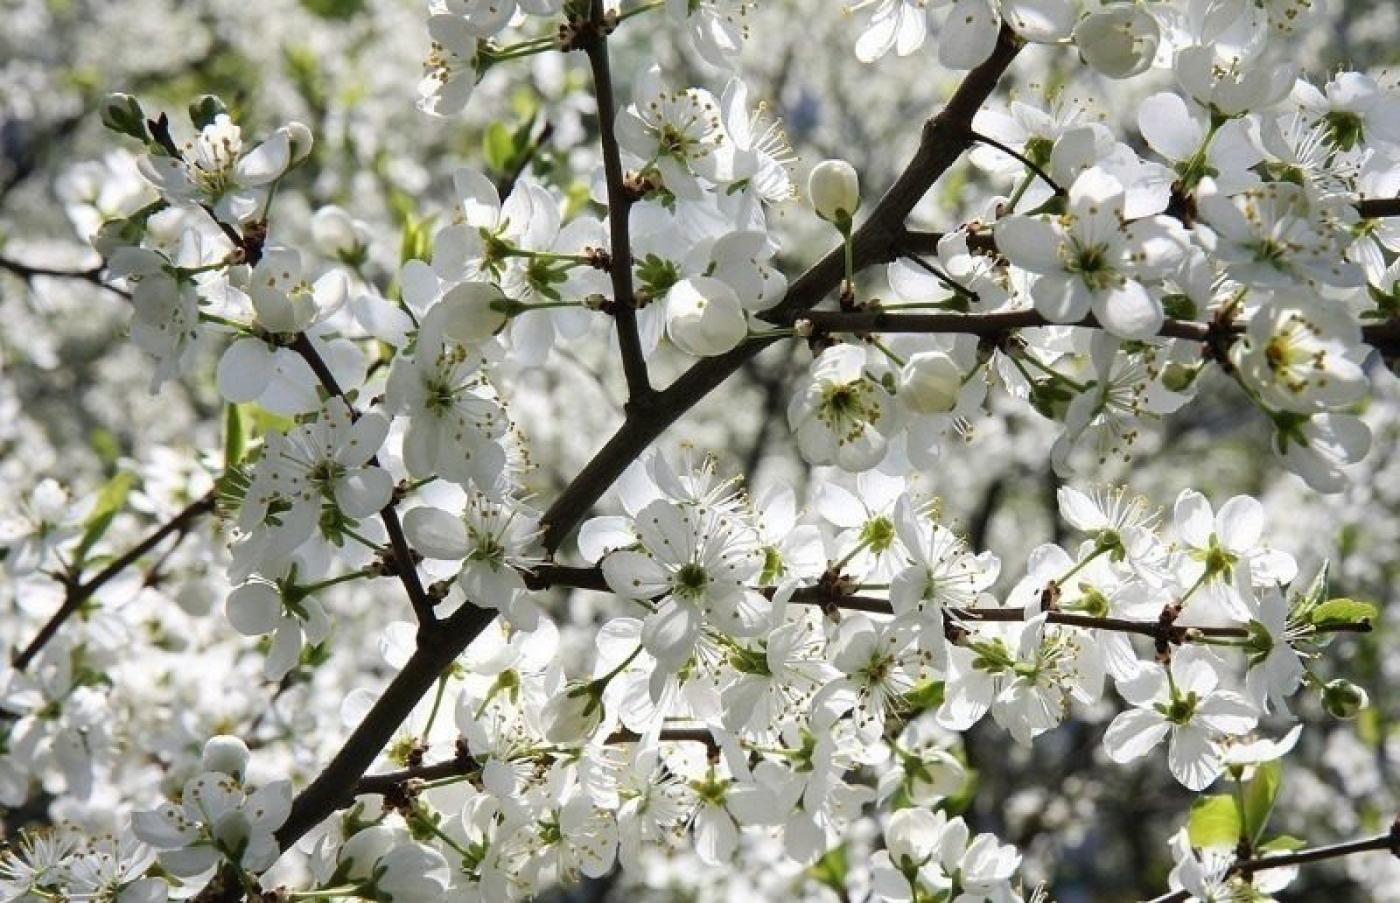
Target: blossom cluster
770,671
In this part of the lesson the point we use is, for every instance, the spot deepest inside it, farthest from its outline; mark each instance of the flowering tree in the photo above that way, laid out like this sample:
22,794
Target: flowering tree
404,588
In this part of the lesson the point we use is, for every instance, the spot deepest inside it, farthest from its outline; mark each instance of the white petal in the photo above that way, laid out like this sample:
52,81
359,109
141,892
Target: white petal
245,370
254,608
1133,734
436,534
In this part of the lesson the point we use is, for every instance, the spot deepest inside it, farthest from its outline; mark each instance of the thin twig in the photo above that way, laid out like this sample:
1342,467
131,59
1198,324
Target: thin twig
634,365
79,593
1012,152
405,567
1387,841
94,274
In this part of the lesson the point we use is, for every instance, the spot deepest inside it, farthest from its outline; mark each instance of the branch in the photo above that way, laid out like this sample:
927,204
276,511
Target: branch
1374,208
1387,841
335,786
629,340
648,416
1156,629
1384,336
944,139
405,568
390,781
79,593
94,275
985,325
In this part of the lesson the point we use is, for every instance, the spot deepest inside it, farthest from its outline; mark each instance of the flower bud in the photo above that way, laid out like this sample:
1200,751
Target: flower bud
337,234
360,853
834,189
572,715
704,316
1344,699
1119,40
123,114
930,383
225,754
1178,377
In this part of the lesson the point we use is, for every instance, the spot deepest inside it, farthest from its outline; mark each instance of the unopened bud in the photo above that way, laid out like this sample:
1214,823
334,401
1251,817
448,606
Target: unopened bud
570,716
226,755
1179,377
123,114
1344,699
301,141
834,189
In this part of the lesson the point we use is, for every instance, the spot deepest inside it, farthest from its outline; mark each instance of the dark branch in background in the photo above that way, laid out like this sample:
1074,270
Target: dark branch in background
79,593
405,567
506,183
986,325
944,139
93,275
1384,337
634,364
1387,841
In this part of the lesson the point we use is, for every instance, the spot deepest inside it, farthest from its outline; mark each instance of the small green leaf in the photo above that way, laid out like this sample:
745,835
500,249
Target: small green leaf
1342,611
925,696
334,9
1214,822
1281,844
498,146
1259,796
417,242
830,870
109,502
205,109
235,435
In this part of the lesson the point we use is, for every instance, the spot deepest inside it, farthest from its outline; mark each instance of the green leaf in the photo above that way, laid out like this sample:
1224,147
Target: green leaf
925,696
830,870
1342,611
1214,822
205,109
109,501
1259,796
498,146
334,9
235,435
1281,844
417,241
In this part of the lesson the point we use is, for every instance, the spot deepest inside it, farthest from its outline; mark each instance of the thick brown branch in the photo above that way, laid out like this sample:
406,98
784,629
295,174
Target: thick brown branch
336,786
